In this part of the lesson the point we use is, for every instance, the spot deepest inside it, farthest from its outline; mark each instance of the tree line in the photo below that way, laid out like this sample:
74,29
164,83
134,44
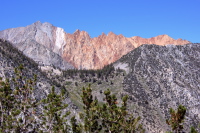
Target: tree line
105,71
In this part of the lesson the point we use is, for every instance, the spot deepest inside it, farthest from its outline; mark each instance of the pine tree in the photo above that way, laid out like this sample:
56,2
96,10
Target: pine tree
25,100
116,118
17,105
177,118
76,128
8,111
108,117
90,115
53,119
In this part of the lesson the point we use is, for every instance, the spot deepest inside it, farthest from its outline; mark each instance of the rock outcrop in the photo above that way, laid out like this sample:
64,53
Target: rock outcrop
39,42
161,77
79,49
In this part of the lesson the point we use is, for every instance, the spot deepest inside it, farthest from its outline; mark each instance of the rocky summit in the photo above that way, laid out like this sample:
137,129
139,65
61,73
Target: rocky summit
51,45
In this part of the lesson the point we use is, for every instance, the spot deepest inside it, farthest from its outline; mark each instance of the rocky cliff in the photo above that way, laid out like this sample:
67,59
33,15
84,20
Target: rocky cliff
37,42
161,77
48,44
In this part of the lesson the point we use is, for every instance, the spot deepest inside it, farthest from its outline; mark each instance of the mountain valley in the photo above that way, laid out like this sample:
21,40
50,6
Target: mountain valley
156,73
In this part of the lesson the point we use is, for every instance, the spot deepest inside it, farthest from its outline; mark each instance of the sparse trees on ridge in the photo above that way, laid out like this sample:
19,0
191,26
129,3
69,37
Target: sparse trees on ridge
18,111
7,107
18,105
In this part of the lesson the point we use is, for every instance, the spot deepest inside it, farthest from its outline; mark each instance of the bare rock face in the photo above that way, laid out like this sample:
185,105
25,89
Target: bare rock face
41,42
93,53
163,77
79,49
159,40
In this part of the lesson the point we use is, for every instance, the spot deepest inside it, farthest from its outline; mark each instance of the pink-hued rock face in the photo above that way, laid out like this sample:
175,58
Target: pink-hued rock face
94,53
79,48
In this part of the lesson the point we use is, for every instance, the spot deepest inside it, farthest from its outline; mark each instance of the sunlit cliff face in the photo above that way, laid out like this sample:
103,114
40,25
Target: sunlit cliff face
78,48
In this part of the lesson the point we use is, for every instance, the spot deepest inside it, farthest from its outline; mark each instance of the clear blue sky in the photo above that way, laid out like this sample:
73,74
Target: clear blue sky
145,18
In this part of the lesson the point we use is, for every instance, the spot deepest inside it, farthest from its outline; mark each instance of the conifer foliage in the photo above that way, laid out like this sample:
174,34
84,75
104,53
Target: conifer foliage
7,107
17,105
107,117
53,119
25,100
177,119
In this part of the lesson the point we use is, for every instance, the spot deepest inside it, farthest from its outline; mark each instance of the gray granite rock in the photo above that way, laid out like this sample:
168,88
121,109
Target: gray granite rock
161,77
39,42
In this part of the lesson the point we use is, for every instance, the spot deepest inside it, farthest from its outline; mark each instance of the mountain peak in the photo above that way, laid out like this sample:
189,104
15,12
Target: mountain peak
111,33
37,23
78,48
164,36
81,33
77,31
103,34
40,24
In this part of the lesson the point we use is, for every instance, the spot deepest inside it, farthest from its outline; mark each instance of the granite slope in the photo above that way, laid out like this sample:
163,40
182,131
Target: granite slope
163,77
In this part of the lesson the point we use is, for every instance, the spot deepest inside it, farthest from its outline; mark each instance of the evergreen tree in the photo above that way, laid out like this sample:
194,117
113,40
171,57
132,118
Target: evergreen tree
90,115
76,128
8,109
17,106
177,119
108,117
53,119
25,100
116,118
